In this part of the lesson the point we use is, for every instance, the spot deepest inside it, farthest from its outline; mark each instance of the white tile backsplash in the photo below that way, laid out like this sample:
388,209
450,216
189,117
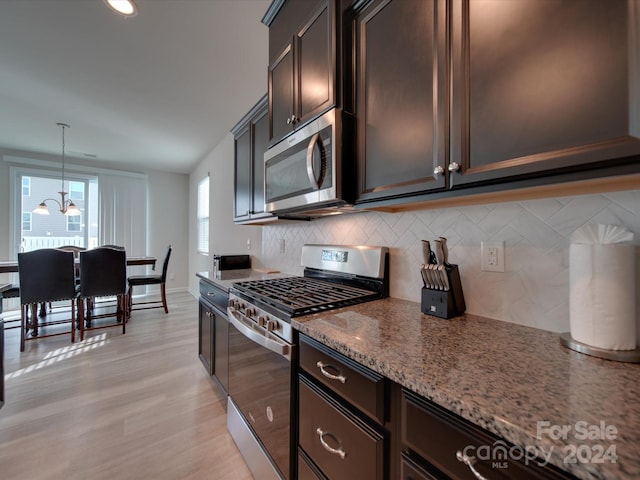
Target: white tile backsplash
533,290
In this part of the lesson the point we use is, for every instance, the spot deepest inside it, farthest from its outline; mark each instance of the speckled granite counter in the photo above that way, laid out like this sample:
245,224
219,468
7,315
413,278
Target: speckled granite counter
501,376
225,278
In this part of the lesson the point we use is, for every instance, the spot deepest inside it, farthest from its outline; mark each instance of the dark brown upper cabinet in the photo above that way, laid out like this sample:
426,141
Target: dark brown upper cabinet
542,87
251,139
401,96
302,67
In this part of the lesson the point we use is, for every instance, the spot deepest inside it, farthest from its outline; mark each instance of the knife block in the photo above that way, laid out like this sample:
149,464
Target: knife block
441,303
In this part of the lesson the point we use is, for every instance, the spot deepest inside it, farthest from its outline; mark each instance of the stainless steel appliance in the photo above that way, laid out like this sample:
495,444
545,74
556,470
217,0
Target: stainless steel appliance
312,172
262,345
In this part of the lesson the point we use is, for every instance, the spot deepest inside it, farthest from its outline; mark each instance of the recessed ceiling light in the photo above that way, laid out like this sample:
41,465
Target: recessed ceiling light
123,7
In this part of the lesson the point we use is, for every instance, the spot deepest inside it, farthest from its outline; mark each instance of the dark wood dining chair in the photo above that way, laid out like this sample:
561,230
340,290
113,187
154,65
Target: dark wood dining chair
46,275
140,280
103,273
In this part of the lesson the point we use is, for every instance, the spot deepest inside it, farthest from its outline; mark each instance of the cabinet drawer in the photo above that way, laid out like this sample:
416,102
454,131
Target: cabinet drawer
410,470
306,470
214,295
437,435
342,446
360,386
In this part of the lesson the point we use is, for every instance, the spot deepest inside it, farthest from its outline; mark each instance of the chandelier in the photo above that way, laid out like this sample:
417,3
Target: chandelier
67,207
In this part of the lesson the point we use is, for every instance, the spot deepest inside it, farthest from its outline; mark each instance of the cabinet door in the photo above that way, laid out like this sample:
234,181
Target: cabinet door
281,83
315,49
205,336
260,145
542,85
242,190
221,351
401,97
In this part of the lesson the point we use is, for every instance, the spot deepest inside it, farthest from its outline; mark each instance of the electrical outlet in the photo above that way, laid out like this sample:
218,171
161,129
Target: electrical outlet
492,256
282,246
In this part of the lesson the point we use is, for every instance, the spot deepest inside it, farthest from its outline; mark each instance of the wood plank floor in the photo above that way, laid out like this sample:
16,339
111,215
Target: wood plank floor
135,406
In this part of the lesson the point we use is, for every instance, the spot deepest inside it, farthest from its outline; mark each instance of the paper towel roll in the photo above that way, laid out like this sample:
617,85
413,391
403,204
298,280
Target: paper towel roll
602,295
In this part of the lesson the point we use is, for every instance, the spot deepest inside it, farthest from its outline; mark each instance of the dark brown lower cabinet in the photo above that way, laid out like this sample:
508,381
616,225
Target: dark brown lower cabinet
410,470
340,444
213,334
436,440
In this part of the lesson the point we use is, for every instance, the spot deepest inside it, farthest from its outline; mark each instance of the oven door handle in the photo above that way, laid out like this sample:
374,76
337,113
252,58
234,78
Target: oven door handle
257,334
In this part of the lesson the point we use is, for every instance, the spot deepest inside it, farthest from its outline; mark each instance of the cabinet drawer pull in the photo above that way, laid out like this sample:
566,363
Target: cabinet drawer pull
469,462
322,366
325,445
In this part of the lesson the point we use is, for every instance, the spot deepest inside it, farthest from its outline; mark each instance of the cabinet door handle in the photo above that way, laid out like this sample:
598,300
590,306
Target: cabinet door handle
292,120
341,378
469,462
438,171
454,167
327,447
211,294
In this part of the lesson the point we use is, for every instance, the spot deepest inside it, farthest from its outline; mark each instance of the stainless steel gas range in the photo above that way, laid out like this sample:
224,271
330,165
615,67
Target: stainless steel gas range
262,345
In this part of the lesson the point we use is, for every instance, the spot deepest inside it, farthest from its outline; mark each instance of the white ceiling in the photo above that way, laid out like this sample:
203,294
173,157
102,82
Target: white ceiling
156,91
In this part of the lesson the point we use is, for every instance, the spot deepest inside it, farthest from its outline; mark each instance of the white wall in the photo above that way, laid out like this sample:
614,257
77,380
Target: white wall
168,197
225,237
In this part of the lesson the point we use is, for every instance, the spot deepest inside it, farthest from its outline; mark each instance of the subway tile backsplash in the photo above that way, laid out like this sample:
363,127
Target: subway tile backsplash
533,290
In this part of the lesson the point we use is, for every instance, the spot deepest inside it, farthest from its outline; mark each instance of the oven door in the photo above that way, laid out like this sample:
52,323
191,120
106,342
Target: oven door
300,171
260,385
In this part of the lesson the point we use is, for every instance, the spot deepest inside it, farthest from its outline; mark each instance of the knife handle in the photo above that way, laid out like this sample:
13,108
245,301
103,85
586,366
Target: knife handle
445,250
439,252
426,251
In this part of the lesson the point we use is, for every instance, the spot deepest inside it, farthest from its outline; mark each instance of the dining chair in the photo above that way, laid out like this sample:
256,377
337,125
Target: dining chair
139,280
103,273
15,321
46,275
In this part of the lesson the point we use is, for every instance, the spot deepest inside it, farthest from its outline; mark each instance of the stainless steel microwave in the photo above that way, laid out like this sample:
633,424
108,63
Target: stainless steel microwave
311,172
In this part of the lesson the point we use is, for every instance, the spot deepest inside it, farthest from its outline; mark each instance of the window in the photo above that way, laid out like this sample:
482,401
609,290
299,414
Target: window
203,215
74,224
26,186
32,231
76,191
26,221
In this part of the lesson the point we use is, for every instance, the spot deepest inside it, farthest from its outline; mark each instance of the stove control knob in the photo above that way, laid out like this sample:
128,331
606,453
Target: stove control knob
272,325
263,320
233,303
250,312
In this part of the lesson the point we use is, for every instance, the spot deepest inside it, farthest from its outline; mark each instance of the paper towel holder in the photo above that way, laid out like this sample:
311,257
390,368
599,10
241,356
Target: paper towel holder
628,356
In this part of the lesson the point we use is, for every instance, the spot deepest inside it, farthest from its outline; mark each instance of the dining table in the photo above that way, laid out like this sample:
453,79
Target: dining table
11,266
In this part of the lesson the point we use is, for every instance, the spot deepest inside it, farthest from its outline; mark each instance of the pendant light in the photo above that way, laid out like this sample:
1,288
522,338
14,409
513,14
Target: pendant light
67,207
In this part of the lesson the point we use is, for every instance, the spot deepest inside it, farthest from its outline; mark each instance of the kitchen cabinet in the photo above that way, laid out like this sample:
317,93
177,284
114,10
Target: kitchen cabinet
542,86
436,443
250,143
474,96
340,416
213,333
302,64
401,96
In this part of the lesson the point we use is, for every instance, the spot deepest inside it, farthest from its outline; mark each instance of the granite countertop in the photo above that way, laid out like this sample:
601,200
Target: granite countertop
501,376
225,278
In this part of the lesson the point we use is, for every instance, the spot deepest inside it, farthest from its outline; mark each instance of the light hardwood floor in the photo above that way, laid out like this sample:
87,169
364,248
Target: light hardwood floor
133,406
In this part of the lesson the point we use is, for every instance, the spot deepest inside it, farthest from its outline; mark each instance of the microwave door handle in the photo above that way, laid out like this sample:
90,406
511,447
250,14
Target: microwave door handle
316,181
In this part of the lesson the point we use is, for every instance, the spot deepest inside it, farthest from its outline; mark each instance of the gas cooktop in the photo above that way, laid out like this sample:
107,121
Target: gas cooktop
297,296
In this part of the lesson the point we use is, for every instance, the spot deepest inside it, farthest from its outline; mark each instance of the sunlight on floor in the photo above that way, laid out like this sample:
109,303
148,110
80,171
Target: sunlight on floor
61,354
